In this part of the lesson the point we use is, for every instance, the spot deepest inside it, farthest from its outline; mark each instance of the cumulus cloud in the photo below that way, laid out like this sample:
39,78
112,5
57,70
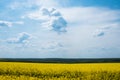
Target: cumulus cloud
58,24
9,24
54,12
50,19
6,23
45,11
22,38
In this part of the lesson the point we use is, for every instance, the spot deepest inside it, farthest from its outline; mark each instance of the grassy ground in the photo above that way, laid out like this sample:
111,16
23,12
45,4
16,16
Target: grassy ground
41,71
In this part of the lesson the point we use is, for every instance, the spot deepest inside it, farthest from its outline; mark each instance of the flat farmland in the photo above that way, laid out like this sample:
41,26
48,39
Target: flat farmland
59,71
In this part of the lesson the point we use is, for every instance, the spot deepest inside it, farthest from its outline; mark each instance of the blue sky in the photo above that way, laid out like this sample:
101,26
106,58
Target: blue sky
114,4
59,29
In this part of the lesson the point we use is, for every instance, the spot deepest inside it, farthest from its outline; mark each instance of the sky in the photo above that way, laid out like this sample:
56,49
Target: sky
59,29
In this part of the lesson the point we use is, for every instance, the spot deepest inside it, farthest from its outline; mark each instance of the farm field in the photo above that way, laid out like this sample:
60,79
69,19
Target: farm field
57,71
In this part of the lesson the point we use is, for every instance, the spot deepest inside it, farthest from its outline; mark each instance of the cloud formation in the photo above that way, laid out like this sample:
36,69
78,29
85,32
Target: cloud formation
106,28
9,24
57,22
5,23
91,29
98,19
50,18
22,38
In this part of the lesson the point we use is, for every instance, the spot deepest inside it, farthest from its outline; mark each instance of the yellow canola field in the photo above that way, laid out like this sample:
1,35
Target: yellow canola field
52,71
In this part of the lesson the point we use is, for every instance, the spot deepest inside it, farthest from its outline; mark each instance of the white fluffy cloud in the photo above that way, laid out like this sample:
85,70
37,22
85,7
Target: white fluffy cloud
9,24
50,19
22,38
58,24
5,23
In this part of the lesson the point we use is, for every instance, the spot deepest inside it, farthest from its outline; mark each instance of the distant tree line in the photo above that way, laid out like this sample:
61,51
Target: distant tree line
62,60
